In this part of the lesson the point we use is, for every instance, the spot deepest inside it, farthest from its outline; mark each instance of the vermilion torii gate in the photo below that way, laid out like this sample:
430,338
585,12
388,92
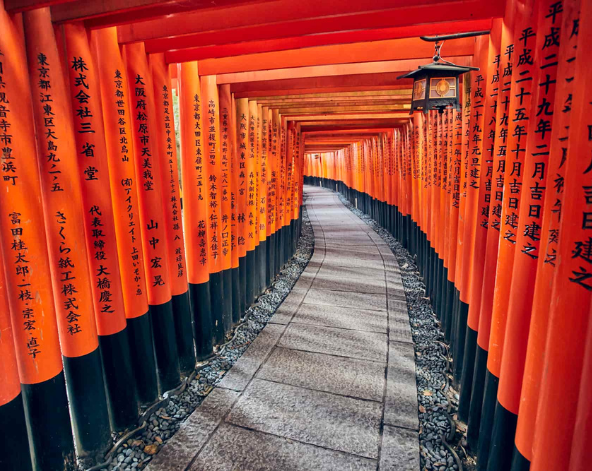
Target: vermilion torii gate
127,258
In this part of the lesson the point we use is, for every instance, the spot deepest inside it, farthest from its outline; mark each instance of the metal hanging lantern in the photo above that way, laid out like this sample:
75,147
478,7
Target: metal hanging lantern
435,85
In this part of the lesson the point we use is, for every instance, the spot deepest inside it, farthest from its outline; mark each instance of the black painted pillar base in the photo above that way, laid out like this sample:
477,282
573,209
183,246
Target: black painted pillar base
122,399
459,345
256,275
405,228
438,264
477,392
139,331
294,226
487,415
270,259
428,268
216,298
183,332
444,299
423,242
427,257
454,319
282,247
286,243
277,261
519,462
236,295
299,230
502,439
242,284
202,319
449,309
227,301
46,411
250,278
88,403
434,277
262,268
466,382
14,445
443,279
165,346
442,274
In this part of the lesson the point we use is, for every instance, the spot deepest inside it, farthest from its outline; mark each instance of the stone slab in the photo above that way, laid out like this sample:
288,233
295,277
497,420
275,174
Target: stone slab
396,304
247,365
399,329
400,450
341,317
354,262
318,418
397,295
295,296
194,433
362,284
341,298
344,228
347,343
400,407
313,265
328,271
361,252
345,224
236,448
351,242
355,252
345,376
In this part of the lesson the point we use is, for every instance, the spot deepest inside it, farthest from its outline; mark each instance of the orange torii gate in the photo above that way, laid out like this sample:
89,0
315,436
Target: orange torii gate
119,273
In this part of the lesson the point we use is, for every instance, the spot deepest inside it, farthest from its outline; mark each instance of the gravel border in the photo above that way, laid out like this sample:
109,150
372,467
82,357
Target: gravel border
137,451
438,402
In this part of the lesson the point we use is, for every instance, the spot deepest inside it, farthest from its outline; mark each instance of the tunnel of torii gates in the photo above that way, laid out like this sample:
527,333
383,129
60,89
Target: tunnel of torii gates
127,258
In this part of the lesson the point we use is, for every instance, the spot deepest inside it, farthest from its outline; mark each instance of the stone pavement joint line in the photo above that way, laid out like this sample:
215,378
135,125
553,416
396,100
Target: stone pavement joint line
329,384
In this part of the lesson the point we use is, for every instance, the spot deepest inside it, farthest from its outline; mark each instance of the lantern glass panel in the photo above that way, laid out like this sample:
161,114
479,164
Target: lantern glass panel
442,87
419,89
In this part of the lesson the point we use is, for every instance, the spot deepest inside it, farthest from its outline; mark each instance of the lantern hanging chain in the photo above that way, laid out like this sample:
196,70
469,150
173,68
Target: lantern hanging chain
437,55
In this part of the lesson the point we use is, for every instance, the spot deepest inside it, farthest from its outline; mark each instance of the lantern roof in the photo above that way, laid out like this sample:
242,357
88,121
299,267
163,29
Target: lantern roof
445,67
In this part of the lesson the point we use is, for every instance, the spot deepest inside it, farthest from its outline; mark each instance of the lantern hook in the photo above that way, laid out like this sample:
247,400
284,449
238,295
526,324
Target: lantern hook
438,56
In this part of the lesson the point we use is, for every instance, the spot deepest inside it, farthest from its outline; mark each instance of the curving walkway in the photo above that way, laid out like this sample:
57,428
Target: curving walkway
329,384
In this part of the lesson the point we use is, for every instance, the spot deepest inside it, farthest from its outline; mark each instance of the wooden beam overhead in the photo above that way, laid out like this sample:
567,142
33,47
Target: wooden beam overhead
292,33
334,102
345,131
341,109
19,6
357,82
337,13
116,12
347,94
224,47
260,93
308,127
387,50
403,115
264,70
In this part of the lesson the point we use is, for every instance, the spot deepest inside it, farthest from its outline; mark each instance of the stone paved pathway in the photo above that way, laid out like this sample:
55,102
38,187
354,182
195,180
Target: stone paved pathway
329,384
